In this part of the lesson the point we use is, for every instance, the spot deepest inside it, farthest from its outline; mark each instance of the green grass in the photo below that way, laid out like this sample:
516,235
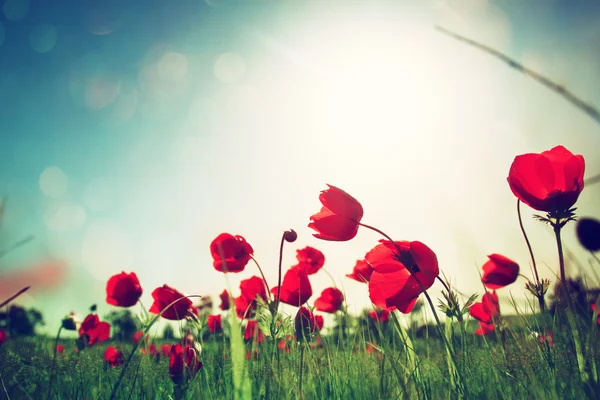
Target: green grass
338,369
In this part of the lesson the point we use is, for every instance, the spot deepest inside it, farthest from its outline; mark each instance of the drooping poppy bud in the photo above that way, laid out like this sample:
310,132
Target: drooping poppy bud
499,272
305,324
339,217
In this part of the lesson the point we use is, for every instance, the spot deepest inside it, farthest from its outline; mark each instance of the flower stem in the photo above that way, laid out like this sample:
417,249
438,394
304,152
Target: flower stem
263,275
302,345
561,260
279,271
52,370
540,294
535,271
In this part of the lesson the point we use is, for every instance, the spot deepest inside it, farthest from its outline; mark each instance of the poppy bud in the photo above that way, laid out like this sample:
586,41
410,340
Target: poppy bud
588,233
71,322
305,323
290,236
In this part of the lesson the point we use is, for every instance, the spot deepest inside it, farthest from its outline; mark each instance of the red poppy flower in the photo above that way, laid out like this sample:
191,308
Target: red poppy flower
485,329
2,336
339,217
546,338
60,349
183,364
588,233
283,346
245,304
295,289
361,272
550,181
311,259
165,295
253,287
331,300
394,279
304,323
488,310
319,320
214,324
380,315
244,308
165,349
152,350
224,301
230,253
137,336
94,330
123,290
113,356
499,271
253,331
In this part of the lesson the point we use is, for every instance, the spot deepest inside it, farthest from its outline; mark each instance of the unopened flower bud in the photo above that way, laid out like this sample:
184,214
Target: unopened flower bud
290,236
71,322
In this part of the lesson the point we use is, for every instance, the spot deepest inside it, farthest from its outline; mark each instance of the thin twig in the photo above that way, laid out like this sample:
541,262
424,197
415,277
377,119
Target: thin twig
16,245
561,90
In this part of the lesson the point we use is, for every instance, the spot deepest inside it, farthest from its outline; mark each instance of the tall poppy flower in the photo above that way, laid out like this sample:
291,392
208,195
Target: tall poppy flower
214,323
339,217
499,272
550,181
488,310
295,288
183,364
230,253
305,323
123,290
252,288
93,330
165,295
253,331
311,259
330,301
319,321
224,300
398,268
361,272
113,357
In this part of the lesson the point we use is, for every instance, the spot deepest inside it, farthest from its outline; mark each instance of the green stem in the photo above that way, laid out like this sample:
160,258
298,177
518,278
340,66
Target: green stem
302,345
263,276
561,259
53,369
539,294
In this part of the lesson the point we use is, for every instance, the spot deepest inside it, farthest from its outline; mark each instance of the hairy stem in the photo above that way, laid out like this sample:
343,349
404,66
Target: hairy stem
52,370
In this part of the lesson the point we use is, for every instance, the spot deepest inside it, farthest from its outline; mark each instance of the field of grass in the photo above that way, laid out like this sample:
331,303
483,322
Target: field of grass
335,368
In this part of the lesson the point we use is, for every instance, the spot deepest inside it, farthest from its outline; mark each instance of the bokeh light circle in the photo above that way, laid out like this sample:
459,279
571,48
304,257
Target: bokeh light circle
15,10
229,67
65,217
43,38
53,182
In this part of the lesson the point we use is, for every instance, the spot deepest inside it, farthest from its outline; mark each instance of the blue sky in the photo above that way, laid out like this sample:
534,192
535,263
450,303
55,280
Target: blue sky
133,133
